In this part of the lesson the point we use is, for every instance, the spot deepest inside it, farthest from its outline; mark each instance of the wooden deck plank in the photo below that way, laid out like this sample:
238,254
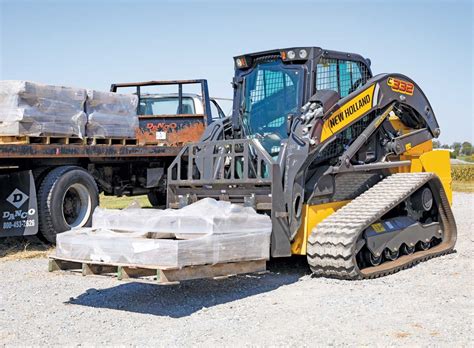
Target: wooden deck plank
163,275
125,272
211,271
62,265
41,140
65,140
88,269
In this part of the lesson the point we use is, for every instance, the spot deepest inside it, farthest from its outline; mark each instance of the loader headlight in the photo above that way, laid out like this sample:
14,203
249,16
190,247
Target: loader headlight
242,62
303,54
295,54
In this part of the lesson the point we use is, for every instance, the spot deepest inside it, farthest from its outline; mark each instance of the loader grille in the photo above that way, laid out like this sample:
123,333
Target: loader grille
343,140
224,162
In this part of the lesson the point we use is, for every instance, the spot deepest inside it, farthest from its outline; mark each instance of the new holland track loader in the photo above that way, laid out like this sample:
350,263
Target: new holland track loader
341,160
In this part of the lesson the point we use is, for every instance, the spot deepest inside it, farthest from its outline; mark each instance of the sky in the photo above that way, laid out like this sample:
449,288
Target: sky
92,44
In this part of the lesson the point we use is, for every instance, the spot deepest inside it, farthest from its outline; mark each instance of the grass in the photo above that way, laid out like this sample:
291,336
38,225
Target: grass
463,186
111,202
20,248
466,158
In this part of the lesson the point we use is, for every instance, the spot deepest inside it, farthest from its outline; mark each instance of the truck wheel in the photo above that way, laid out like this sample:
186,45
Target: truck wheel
39,174
67,198
156,199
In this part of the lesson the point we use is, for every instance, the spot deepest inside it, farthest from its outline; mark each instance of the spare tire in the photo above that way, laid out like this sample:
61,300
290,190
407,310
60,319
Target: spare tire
67,198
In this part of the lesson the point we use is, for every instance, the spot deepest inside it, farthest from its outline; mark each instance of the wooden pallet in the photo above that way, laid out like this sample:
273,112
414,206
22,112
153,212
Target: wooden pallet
161,275
55,140
47,140
112,141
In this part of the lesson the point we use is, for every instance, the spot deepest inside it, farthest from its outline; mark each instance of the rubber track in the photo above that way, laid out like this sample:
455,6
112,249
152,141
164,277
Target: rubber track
332,243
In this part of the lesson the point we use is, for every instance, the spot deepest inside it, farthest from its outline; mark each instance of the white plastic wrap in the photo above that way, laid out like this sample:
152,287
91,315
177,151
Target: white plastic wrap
211,231
111,115
207,216
33,109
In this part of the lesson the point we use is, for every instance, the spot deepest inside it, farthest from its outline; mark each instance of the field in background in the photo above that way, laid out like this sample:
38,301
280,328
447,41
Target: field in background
463,177
463,186
462,172
466,158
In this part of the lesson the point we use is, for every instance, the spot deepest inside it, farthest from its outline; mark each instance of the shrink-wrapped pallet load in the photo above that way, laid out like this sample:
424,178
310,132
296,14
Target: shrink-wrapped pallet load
33,109
206,232
111,115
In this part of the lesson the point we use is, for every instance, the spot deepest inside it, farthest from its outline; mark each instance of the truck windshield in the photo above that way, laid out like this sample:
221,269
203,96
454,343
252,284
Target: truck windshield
271,91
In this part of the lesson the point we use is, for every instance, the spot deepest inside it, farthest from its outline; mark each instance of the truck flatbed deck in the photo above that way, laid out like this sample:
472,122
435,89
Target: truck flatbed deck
12,151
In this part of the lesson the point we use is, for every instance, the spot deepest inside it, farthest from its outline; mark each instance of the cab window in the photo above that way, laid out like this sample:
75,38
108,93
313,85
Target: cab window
342,76
165,106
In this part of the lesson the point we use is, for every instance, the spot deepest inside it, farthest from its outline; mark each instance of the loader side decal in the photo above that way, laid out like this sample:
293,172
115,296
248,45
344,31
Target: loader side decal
401,86
348,113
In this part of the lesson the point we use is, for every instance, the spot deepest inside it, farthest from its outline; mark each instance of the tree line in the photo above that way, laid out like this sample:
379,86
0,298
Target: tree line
457,148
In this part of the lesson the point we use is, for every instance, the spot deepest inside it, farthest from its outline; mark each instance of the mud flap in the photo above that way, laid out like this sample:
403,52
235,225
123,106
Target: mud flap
18,205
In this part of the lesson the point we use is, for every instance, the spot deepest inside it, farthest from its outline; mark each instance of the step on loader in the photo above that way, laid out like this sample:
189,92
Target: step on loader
340,159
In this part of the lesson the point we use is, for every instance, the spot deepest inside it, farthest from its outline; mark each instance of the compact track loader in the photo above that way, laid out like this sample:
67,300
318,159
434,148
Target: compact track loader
341,160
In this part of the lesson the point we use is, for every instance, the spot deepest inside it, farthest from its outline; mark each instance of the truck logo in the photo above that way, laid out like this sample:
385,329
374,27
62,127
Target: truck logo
17,198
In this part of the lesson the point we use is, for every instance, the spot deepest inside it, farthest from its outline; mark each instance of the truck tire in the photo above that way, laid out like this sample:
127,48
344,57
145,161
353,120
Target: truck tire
39,174
156,199
67,198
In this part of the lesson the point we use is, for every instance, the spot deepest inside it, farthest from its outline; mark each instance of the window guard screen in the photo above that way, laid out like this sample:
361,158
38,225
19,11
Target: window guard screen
342,76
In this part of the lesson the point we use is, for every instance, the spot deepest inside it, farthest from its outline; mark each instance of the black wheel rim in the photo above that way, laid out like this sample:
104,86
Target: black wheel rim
77,205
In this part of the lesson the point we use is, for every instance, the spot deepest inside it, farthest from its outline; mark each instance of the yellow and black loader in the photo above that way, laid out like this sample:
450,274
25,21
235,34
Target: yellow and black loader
341,160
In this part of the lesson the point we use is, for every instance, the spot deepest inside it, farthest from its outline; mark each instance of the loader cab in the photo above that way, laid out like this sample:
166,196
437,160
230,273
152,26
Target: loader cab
270,87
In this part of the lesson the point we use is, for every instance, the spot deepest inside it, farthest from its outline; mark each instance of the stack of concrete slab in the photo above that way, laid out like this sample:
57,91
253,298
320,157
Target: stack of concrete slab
33,109
111,115
206,232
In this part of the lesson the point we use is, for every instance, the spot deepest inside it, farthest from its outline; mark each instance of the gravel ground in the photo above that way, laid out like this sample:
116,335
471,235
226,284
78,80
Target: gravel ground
431,303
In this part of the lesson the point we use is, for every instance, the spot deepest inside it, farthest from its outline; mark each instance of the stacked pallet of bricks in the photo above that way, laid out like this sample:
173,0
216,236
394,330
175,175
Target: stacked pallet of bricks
111,115
207,232
29,109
